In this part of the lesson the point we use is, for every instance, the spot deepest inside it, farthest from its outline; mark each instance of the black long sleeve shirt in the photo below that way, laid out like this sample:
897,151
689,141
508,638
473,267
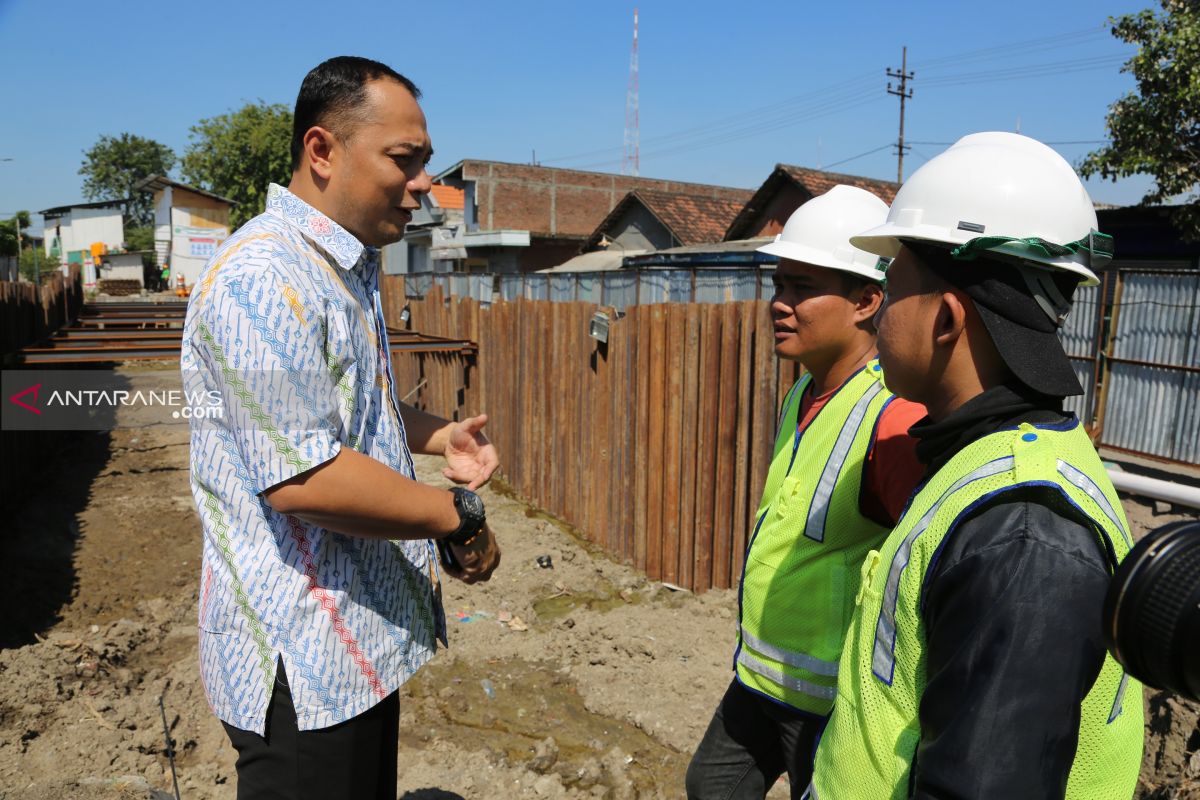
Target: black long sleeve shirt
1013,625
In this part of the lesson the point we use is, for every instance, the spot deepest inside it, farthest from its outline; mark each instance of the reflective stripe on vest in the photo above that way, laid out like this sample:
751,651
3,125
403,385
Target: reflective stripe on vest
792,658
1089,487
795,684
883,663
819,510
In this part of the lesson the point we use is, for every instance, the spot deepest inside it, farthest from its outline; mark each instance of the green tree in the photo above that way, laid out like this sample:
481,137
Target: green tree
8,232
115,164
236,155
34,262
1155,130
140,237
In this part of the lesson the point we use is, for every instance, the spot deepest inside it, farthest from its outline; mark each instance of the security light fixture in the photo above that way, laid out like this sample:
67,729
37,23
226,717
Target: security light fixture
405,314
598,327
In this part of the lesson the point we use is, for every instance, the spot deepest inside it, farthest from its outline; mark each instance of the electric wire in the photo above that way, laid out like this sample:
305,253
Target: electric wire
857,91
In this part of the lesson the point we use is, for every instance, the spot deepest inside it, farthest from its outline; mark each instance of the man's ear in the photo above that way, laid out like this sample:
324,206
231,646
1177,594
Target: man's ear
951,320
319,144
868,303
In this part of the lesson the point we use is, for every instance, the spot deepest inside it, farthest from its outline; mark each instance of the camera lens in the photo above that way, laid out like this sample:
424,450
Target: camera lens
1152,610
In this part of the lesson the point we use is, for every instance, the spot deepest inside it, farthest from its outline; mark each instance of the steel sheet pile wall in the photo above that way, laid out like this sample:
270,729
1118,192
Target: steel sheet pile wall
28,314
655,445
1152,400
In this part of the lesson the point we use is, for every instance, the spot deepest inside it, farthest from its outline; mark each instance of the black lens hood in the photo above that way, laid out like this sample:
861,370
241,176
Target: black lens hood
1152,609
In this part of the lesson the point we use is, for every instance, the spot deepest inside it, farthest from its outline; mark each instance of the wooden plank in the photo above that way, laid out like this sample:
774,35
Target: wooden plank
676,320
503,402
656,464
743,444
642,437
598,422
526,355
625,399
706,444
689,425
762,428
726,446
552,436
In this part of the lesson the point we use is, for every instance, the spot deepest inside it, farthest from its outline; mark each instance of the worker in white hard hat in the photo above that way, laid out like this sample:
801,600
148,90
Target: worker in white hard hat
842,470
975,663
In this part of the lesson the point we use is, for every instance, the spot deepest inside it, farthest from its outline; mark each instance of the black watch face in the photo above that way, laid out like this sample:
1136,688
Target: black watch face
471,504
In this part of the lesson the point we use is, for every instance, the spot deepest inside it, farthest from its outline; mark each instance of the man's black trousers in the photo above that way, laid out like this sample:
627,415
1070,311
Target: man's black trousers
750,742
355,760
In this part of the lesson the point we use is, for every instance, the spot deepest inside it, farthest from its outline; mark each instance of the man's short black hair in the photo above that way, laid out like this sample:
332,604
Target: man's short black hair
333,93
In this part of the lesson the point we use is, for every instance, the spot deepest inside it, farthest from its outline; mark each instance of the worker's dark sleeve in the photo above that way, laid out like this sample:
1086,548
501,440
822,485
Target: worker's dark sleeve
1013,621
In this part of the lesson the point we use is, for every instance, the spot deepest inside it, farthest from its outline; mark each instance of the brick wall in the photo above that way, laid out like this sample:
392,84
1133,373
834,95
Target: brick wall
559,201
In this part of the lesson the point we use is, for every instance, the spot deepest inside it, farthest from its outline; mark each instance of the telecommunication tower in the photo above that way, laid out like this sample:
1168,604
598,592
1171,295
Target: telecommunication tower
630,164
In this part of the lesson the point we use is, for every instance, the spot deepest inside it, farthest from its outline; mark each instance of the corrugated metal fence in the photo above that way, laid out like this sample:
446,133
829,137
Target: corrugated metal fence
618,288
1150,382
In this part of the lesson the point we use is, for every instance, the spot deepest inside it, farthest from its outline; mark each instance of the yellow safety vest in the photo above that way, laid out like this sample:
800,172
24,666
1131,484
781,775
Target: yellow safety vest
868,747
802,564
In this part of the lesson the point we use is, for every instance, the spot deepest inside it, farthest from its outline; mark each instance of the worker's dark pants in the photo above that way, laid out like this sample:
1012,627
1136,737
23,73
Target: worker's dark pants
750,742
355,760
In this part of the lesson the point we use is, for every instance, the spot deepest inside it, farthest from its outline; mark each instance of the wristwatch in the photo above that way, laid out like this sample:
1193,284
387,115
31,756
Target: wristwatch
470,517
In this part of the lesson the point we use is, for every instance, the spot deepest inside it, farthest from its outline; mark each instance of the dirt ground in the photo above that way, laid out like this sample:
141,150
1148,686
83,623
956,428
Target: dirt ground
583,680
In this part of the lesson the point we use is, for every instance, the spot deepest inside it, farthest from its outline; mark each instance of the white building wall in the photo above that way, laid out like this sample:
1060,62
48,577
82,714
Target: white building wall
88,225
162,224
80,227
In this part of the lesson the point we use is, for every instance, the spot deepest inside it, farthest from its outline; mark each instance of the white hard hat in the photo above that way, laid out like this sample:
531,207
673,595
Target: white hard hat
819,231
1002,194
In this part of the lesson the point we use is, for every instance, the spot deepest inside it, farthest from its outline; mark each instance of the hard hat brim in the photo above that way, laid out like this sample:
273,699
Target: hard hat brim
817,258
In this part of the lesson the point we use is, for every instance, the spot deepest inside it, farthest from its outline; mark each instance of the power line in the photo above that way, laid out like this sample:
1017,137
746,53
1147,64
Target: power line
755,128
853,93
787,107
1007,51
1027,71
860,155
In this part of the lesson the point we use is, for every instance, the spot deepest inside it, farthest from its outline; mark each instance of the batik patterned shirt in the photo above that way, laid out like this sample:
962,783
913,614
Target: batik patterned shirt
285,326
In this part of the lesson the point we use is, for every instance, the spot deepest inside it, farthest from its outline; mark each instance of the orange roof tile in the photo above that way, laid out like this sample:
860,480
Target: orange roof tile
448,196
819,182
691,219
811,182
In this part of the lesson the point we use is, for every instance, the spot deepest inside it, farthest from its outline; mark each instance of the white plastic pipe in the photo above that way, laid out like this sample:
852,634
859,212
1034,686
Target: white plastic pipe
1155,488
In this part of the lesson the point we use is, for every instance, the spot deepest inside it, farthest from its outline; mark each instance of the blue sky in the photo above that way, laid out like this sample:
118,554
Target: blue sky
727,90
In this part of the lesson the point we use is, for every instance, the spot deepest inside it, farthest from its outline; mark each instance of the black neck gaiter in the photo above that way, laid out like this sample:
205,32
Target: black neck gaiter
996,408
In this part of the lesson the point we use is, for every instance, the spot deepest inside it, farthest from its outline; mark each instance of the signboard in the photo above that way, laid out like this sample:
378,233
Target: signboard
195,241
201,247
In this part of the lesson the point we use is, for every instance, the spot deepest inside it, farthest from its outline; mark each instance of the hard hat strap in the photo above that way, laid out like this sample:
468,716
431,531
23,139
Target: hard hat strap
1045,291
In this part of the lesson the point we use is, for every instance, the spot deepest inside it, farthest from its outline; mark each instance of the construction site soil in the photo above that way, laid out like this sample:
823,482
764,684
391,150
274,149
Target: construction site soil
581,680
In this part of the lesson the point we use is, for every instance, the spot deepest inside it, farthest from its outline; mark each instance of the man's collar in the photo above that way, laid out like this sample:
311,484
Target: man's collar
342,246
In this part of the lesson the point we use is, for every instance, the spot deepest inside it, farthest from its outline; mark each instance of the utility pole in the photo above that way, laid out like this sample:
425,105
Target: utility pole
904,93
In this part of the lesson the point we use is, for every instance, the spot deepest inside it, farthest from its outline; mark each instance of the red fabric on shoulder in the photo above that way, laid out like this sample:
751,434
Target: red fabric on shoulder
893,470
